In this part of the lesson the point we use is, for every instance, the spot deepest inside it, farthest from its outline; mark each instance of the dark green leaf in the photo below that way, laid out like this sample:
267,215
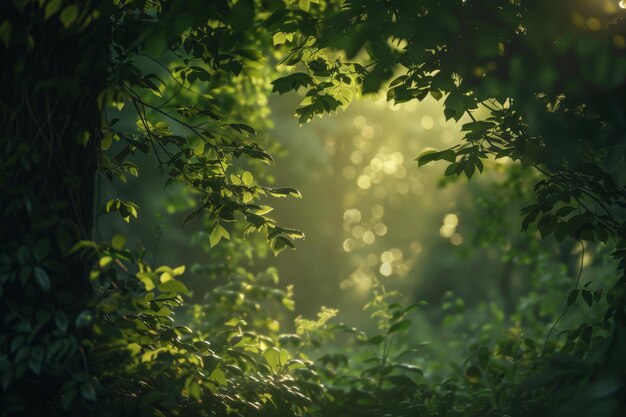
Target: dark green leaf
42,279
478,126
400,326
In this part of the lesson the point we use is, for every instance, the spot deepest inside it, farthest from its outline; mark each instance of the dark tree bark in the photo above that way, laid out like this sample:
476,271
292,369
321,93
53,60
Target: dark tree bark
52,76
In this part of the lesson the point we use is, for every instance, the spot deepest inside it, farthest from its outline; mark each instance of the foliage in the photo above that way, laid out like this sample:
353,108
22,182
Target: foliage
89,327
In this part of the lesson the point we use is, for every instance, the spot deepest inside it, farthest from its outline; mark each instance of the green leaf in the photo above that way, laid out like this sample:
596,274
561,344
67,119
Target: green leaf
280,38
247,178
294,364
436,93
473,375
375,340
146,279
217,234
560,231
69,15
454,108
571,298
61,322
285,191
218,376
272,357
399,80
280,243
68,397
118,241
111,205
52,7
23,254
564,211
242,15
292,82
546,224
22,354
240,127
452,169
36,359
251,54
319,67
289,304
42,279
174,286
304,4
597,295
104,261
588,297
292,339
469,169
5,33
399,326
84,319
430,156
236,339
477,126
88,391
42,249
410,368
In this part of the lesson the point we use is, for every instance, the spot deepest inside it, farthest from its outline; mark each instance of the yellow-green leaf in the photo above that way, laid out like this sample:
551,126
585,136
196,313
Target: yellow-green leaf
272,357
279,38
118,241
247,178
52,7
217,234
104,261
69,15
146,279
174,286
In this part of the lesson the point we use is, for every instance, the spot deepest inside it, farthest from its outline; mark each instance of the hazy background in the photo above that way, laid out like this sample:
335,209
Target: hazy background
369,213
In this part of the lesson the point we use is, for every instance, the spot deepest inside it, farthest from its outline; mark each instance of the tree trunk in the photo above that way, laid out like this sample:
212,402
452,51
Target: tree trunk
53,72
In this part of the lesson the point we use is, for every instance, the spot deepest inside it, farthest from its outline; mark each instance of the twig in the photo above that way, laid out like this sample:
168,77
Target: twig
580,272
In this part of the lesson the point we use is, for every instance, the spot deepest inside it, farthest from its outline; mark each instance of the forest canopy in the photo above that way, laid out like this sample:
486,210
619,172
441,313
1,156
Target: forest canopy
106,314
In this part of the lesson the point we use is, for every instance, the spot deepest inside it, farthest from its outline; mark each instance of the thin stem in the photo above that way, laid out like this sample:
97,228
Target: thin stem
580,272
